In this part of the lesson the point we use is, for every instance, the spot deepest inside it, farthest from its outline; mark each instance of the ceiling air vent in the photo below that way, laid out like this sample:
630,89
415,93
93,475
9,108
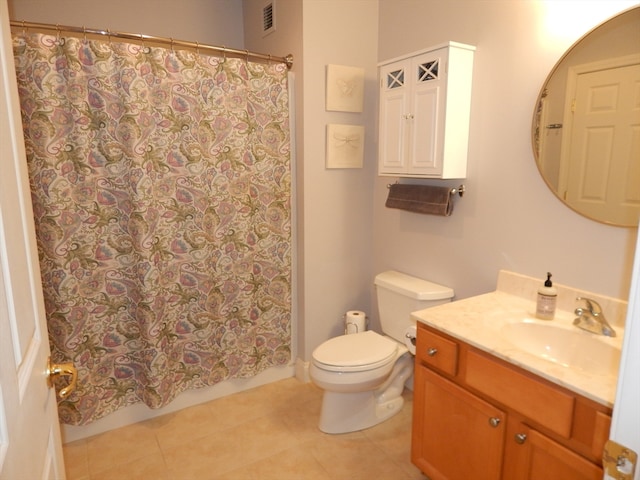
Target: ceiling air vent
268,18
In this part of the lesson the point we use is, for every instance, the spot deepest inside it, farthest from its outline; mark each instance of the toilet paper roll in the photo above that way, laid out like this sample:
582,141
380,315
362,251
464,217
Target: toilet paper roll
410,339
355,321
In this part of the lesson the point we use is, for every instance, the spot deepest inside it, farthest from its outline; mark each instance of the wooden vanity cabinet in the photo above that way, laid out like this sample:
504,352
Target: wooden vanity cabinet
531,455
455,435
477,416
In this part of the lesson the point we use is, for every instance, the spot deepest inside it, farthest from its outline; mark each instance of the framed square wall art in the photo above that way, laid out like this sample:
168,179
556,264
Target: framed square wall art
345,146
345,88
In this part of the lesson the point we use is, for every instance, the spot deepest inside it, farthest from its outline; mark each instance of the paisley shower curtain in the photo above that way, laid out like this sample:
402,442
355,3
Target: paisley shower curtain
161,191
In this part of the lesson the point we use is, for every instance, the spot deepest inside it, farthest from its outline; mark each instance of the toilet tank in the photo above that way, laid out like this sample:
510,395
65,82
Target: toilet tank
400,294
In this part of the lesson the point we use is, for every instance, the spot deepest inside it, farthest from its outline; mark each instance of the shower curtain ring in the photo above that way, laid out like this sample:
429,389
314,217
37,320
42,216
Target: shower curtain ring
246,55
197,47
84,34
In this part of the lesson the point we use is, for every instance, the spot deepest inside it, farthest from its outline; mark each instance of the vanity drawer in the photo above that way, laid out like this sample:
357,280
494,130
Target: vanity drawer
436,351
542,403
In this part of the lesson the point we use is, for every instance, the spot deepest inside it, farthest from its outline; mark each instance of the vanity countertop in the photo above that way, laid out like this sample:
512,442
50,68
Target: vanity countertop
478,321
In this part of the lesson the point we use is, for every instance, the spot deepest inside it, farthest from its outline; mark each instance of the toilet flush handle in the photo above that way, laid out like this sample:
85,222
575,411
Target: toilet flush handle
411,338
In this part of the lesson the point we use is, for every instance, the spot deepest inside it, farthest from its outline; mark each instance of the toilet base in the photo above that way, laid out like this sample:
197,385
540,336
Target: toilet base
350,412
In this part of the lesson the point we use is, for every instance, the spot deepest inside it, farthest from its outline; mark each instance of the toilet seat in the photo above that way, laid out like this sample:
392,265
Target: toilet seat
355,353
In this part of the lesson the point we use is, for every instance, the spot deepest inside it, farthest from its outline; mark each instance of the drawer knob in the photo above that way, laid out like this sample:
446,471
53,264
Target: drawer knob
520,438
432,351
494,421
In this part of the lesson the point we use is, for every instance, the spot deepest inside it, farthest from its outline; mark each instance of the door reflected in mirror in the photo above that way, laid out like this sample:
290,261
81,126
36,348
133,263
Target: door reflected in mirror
586,125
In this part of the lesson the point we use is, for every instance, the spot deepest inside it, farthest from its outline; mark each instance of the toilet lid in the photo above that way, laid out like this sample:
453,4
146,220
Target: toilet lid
356,350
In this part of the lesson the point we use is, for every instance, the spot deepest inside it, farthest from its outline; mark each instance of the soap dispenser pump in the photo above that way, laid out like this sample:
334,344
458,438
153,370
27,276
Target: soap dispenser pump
546,303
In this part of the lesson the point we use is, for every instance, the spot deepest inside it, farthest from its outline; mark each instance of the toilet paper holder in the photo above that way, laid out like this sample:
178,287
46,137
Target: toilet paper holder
355,321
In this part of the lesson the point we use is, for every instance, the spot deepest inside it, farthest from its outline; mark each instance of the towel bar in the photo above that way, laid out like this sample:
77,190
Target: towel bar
460,190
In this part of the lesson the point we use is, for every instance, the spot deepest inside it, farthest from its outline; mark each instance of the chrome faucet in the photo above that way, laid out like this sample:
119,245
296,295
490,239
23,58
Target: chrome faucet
592,319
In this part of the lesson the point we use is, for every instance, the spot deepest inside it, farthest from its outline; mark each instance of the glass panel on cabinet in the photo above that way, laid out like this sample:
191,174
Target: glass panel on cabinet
395,79
428,71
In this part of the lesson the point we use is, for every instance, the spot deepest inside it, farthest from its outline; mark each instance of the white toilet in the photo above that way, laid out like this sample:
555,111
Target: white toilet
363,374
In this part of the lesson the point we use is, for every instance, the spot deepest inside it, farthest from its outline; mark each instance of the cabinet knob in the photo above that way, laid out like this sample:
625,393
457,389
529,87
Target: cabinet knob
520,438
494,421
432,351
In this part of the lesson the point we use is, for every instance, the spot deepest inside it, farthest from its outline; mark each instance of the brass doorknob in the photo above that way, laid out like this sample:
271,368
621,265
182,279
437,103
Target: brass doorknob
62,369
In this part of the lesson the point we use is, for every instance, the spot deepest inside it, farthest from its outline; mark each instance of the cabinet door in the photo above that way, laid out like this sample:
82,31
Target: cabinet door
455,434
427,76
540,458
394,119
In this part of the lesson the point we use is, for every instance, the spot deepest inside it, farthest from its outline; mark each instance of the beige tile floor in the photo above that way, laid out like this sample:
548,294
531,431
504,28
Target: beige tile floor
266,433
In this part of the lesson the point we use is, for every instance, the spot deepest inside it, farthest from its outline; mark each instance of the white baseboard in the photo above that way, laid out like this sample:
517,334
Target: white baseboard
140,412
302,370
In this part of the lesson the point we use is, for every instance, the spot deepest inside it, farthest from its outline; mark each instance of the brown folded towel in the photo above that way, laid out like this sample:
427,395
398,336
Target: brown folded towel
420,199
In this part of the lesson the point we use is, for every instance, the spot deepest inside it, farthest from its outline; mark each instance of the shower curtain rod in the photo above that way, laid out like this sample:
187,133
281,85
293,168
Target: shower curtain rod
287,60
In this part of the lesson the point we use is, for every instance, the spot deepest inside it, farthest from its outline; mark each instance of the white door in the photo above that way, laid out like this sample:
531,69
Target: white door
625,424
30,445
604,172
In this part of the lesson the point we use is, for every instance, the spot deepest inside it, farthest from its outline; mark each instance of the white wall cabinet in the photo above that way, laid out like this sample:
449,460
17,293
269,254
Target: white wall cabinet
425,101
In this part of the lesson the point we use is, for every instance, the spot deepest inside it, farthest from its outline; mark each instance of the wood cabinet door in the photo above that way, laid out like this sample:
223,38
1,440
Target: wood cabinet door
456,435
541,458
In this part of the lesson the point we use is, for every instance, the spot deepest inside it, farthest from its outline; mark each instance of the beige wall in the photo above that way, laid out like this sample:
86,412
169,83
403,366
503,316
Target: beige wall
334,210
508,219
338,212
217,22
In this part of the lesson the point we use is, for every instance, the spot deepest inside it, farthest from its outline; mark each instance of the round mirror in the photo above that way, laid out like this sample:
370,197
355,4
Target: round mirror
586,123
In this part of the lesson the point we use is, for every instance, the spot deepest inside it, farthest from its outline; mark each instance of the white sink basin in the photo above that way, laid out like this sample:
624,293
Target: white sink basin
564,345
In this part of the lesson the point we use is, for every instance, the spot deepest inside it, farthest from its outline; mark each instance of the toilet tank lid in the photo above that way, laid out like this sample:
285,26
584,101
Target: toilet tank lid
412,287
